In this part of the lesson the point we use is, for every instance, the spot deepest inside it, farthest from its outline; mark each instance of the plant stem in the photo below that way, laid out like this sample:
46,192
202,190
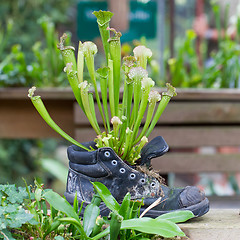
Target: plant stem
80,63
38,104
115,54
69,58
103,73
111,88
141,112
150,112
89,58
88,109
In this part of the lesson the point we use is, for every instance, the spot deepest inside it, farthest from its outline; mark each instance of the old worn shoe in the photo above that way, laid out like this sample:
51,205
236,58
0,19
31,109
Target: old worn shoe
103,165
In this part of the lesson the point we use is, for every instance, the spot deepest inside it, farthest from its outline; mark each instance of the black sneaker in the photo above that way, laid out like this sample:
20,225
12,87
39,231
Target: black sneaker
103,165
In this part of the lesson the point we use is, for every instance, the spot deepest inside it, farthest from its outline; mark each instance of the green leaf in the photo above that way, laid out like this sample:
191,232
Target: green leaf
125,206
16,220
91,213
59,203
106,196
76,223
160,227
177,216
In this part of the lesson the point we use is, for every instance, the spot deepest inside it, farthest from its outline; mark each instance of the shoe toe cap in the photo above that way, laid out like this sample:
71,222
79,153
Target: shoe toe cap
191,196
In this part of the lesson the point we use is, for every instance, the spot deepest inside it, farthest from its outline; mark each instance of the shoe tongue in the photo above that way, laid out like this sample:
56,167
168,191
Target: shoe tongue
155,148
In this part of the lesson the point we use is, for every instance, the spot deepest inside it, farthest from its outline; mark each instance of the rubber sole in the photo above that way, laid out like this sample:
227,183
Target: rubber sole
198,209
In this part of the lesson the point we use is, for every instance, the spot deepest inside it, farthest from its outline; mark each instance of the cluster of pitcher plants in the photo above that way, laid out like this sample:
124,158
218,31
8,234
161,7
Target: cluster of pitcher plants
123,129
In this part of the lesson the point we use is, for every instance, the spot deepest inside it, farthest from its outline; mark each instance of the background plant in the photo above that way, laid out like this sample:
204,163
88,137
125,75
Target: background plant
24,15
45,69
33,159
219,71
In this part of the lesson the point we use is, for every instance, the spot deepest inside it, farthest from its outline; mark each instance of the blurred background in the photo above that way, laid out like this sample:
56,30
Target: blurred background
195,45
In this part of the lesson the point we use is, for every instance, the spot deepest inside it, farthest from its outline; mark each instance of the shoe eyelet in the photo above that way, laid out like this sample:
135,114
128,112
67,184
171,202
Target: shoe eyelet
132,175
107,154
114,162
122,170
142,180
153,184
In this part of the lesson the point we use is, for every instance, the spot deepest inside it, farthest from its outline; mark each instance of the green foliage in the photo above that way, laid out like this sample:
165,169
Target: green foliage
30,158
221,70
17,160
45,70
123,223
63,221
12,213
25,14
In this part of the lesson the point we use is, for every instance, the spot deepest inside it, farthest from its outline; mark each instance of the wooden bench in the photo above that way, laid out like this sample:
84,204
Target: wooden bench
193,119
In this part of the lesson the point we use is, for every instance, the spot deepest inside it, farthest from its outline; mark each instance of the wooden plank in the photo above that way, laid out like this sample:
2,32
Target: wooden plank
187,137
178,113
218,224
19,119
183,94
204,94
45,93
195,163
197,136
84,134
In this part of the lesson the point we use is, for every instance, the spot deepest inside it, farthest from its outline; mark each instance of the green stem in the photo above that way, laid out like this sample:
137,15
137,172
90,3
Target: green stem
115,54
171,91
69,58
150,112
161,107
136,101
38,104
140,114
88,109
80,63
103,73
127,143
111,88
92,110
129,102
90,65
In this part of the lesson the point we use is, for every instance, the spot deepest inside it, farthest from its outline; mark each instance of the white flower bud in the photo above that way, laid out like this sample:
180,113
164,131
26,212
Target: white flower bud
116,121
84,85
171,91
89,48
142,51
137,73
68,67
154,96
147,83
31,91
144,140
